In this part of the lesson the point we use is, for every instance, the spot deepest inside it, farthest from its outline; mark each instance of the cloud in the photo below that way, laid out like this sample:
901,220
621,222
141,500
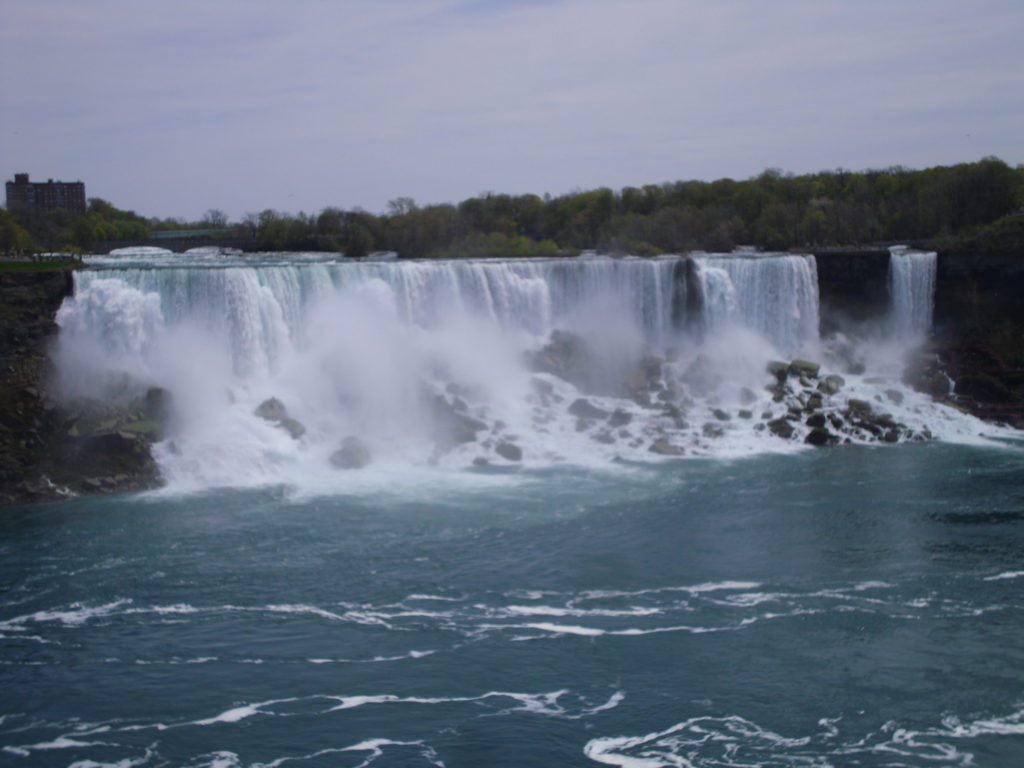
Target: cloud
175,108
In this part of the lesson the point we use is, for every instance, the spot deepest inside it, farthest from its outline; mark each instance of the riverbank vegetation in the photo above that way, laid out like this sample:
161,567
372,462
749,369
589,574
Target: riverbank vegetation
959,207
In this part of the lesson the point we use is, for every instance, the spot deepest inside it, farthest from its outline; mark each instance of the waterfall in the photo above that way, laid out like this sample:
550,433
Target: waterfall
773,294
271,365
911,293
262,313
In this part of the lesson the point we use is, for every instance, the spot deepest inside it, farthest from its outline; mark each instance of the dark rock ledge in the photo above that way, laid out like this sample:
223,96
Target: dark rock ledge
48,452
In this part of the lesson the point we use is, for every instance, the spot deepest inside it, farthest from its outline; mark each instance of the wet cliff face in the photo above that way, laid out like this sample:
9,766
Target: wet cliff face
853,287
41,457
29,421
979,301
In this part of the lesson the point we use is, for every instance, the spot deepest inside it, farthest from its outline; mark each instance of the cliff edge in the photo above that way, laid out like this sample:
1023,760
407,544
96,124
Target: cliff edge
41,458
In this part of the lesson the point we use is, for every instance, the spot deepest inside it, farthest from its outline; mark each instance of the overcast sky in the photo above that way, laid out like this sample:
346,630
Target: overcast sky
174,107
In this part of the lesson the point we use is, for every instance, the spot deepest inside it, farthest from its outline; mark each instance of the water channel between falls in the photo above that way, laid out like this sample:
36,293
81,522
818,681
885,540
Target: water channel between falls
747,600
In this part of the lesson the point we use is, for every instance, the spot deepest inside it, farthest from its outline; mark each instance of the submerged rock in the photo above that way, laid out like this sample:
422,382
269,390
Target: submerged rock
353,454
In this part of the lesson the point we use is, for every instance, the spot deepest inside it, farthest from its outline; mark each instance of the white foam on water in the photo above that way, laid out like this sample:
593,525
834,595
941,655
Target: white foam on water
62,742
548,610
376,748
1005,575
376,659
78,614
735,741
219,759
127,762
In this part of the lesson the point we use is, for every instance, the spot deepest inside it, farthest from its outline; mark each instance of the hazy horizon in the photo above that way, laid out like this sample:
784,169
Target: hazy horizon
173,110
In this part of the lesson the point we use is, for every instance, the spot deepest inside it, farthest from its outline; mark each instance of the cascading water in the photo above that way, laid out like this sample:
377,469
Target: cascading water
775,295
452,363
912,293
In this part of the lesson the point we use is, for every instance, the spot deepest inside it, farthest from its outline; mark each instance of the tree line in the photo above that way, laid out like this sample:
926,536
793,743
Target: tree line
966,205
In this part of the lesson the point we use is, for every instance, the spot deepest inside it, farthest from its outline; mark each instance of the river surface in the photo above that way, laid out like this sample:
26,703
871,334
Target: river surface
854,606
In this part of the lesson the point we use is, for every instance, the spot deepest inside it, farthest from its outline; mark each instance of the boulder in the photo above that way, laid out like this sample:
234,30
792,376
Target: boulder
804,368
451,427
816,420
721,415
584,409
859,408
665,448
146,429
274,411
542,387
353,454
781,428
820,436
831,384
271,409
779,369
292,427
157,404
652,365
567,356
710,429
619,418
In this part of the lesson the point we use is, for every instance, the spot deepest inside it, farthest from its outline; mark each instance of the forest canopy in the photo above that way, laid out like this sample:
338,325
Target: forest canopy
969,205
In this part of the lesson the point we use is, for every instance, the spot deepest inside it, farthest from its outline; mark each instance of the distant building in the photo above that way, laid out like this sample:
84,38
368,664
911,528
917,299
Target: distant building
46,196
